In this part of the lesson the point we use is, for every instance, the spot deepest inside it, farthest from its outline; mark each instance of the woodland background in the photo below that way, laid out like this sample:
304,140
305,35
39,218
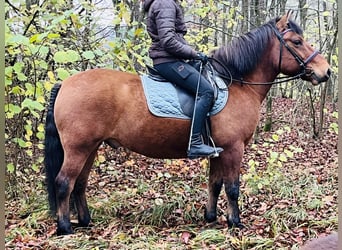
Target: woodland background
289,174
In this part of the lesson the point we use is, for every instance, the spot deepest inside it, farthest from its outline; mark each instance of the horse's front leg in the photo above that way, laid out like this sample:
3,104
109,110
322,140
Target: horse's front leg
233,212
225,170
214,189
231,180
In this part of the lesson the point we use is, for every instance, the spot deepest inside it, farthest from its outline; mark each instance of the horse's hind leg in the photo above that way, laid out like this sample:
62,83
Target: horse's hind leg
73,164
79,192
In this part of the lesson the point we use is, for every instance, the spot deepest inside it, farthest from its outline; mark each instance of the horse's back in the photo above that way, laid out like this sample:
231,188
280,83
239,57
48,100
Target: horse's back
96,86
90,101
98,80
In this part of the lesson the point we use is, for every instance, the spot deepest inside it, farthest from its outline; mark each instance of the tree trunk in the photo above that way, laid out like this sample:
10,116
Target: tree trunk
303,13
269,99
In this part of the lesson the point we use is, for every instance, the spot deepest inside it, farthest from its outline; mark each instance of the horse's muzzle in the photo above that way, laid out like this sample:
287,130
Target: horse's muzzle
316,79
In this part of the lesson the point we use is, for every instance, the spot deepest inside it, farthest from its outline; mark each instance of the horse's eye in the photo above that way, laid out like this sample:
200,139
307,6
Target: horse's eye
297,42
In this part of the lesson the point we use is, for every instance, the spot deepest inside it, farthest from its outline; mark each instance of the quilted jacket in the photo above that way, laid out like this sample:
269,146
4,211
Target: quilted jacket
166,27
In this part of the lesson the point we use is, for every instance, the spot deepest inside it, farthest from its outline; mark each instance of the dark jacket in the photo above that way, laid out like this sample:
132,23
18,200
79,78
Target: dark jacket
166,27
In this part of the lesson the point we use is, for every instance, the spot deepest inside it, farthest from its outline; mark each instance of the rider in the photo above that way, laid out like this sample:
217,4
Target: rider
169,50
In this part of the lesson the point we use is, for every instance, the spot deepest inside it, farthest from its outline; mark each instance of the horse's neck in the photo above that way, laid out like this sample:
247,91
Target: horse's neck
260,90
262,74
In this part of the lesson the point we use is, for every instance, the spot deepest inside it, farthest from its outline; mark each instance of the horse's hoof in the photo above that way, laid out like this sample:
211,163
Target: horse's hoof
64,232
210,216
235,224
83,223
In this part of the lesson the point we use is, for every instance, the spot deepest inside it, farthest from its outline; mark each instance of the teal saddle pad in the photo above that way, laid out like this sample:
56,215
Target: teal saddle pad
165,99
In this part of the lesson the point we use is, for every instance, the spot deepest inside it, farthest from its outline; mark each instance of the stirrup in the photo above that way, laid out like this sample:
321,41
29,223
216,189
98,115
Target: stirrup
217,150
216,153
213,155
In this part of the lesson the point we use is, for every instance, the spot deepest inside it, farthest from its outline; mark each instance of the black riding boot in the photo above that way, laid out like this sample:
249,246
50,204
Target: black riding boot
197,147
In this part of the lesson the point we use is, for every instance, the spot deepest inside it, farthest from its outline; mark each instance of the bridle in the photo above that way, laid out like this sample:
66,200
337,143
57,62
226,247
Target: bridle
302,63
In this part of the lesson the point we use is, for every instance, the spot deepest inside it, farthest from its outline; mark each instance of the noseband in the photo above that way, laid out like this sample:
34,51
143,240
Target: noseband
302,63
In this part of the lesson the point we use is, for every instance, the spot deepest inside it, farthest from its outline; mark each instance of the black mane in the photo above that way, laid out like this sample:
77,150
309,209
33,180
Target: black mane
243,53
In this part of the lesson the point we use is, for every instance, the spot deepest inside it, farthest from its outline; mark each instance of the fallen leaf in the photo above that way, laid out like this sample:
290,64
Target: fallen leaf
185,237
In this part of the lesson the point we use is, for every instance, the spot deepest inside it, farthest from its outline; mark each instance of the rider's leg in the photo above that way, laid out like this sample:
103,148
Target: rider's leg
187,77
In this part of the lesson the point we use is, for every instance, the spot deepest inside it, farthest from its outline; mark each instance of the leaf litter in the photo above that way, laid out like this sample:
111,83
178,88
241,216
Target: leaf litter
142,203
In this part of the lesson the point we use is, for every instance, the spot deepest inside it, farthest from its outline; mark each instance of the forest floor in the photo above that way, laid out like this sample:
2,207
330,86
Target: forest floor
288,195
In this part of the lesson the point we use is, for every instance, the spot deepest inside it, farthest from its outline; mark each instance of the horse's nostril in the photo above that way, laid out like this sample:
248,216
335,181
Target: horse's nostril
328,72
327,75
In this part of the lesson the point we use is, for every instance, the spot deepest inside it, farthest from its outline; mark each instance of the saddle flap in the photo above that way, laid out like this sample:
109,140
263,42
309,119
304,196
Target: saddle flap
166,100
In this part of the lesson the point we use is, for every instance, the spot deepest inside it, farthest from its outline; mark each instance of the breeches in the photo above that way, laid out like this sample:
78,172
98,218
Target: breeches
185,76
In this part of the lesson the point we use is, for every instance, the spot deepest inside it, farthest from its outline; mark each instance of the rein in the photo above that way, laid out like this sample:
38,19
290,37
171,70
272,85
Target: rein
231,79
302,63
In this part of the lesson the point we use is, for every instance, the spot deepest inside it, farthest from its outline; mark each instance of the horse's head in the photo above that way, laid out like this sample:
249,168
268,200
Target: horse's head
297,56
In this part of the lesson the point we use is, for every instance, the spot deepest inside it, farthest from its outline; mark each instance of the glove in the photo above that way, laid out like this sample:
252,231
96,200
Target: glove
203,57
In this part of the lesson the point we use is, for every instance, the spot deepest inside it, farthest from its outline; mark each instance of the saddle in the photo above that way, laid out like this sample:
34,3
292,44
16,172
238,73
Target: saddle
165,99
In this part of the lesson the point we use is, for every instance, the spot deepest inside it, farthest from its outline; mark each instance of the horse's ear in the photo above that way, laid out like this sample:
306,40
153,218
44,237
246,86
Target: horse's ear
283,22
289,15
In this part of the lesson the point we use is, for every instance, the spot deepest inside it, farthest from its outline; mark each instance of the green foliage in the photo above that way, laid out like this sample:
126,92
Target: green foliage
334,125
266,178
209,22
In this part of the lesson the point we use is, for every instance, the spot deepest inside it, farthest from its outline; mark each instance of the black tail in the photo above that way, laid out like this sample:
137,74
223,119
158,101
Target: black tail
54,153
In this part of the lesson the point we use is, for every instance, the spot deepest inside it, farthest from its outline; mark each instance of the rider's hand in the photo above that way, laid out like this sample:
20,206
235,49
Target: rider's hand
203,57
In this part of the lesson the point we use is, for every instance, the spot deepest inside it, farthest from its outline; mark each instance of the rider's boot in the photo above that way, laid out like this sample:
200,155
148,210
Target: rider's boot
197,147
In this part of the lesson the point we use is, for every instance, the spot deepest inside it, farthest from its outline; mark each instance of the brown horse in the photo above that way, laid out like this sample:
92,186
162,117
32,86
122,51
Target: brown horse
103,105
